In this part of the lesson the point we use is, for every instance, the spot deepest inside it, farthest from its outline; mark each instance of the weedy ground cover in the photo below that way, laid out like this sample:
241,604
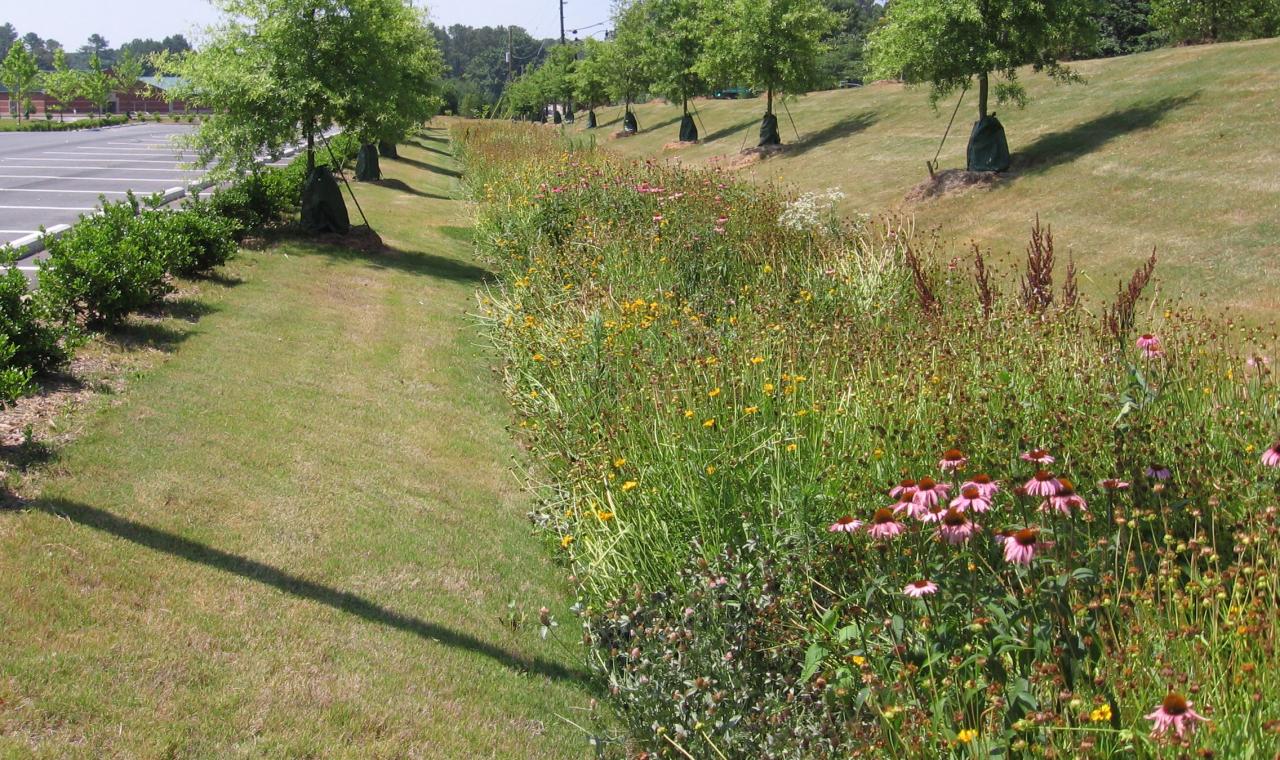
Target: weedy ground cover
824,492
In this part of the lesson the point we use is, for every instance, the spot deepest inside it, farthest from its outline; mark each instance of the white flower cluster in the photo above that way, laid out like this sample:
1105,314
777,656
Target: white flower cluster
809,210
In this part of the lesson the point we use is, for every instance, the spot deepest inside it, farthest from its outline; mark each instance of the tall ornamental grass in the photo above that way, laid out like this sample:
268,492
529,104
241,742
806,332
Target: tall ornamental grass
825,491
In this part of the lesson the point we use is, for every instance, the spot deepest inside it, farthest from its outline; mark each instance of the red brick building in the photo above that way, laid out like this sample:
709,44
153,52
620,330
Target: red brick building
148,96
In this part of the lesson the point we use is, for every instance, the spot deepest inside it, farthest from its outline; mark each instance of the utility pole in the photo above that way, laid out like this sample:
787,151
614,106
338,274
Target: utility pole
562,21
509,54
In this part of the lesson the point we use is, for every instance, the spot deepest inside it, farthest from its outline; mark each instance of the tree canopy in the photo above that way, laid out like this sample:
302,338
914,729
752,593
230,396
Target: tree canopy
277,71
19,74
947,43
673,36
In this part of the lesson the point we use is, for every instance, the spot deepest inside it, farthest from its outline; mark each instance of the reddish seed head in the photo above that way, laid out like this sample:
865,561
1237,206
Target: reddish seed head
1037,453
926,484
953,455
982,479
971,492
844,520
882,516
1043,475
1174,703
954,518
1066,487
920,584
907,484
1026,536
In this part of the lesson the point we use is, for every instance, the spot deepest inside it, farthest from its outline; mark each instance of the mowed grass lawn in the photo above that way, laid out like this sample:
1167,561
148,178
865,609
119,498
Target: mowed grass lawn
1174,149
299,535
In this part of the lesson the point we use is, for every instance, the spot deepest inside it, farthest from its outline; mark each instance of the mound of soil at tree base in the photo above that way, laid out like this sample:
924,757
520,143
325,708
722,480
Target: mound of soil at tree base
754,155
678,144
621,133
949,181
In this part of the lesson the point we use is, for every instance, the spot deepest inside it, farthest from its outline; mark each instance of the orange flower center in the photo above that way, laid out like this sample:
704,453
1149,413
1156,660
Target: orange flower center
882,516
844,520
1044,475
971,492
1026,536
954,518
983,479
953,455
927,484
1174,704
920,584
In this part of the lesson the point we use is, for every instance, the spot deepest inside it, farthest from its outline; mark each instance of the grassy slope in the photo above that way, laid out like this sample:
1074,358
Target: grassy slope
297,536
1175,149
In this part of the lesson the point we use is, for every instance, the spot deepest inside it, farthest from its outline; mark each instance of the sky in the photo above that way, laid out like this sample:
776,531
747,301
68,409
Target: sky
72,21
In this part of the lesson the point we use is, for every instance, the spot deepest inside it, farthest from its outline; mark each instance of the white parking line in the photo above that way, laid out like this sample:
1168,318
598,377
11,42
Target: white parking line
78,178
38,190
103,169
54,208
18,232
100,160
129,151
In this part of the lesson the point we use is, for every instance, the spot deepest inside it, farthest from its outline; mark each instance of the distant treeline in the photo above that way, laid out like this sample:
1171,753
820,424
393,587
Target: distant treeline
43,49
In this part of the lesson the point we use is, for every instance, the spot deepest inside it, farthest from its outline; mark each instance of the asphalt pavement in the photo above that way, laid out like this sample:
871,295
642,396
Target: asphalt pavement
49,178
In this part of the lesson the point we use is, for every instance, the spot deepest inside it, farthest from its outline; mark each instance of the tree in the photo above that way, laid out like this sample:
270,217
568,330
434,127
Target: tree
1215,20
95,84
591,79
278,71
1124,27
674,32
845,55
770,45
19,74
624,61
8,36
127,72
948,43
63,83
559,72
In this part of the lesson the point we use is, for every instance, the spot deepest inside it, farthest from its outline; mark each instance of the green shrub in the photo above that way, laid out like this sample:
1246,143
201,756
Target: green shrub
61,126
203,238
107,266
260,200
38,343
15,379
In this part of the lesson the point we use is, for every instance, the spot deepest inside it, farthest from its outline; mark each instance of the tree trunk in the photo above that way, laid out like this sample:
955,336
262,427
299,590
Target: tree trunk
768,107
982,95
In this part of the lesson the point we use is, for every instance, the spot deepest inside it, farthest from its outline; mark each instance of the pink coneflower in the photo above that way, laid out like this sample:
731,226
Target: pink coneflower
956,527
1152,353
1043,483
1065,501
1158,472
1021,546
930,514
884,525
657,217
920,588
952,460
971,498
987,487
1174,712
1114,484
1039,456
904,490
929,492
845,524
1271,457
1147,341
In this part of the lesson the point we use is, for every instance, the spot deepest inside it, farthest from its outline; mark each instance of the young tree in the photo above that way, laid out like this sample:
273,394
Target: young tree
674,33
63,83
770,45
624,61
19,74
950,43
95,84
559,72
127,72
274,72
591,79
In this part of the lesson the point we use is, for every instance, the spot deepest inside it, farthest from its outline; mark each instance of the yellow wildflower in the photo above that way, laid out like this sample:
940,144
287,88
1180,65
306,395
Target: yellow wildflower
710,422
1101,714
757,359
564,542
711,469
713,392
603,516
966,736
630,484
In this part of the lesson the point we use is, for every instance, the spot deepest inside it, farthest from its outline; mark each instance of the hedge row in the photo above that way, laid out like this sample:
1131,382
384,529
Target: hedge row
61,126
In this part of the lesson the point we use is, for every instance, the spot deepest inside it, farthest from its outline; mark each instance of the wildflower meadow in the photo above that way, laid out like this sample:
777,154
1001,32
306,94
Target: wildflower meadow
839,488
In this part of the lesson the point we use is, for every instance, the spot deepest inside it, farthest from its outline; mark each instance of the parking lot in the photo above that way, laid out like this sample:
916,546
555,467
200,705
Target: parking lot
49,178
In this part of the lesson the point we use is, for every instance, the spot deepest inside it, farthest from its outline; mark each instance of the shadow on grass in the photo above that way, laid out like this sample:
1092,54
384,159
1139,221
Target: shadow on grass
413,262
186,309
260,572
155,335
395,184
1056,148
424,146
847,126
434,138
726,131
430,167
